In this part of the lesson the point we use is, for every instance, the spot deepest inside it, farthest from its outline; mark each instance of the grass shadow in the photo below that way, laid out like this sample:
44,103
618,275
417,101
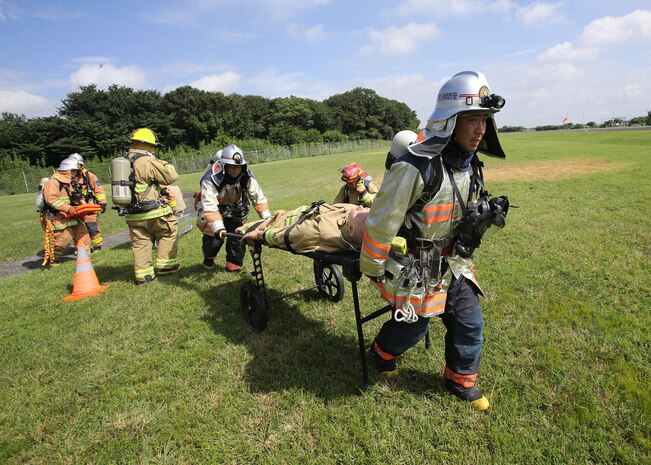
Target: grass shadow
293,352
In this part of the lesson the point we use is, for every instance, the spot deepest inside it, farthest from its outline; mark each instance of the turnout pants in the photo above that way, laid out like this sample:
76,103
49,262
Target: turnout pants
235,251
463,338
94,231
163,231
72,235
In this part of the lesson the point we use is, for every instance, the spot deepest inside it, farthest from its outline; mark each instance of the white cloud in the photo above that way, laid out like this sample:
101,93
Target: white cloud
8,11
225,82
567,51
399,40
297,31
279,9
105,75
409,8
635,26
191,12
100,60
22,102
269,83
539,12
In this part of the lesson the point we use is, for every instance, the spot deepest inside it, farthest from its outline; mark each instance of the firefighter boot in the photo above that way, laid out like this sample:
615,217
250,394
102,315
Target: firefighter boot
473,395
387,368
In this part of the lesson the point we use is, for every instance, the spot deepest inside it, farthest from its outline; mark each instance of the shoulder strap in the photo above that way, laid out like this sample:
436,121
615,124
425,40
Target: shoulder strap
432,185
305,214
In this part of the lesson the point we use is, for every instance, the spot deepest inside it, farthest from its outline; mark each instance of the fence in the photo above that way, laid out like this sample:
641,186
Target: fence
27,179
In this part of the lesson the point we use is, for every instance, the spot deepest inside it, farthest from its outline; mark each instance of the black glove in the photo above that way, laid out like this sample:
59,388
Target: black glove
103,206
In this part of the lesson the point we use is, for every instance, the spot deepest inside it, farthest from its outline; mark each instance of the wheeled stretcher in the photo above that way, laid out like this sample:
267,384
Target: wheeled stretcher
328,280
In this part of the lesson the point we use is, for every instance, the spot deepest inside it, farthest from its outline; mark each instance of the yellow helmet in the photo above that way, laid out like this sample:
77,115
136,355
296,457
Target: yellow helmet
144,135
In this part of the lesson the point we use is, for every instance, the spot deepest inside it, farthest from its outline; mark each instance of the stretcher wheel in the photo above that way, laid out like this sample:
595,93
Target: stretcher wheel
253,306
329,280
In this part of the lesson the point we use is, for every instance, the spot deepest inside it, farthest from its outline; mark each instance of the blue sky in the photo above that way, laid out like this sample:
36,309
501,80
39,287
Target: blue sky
588,60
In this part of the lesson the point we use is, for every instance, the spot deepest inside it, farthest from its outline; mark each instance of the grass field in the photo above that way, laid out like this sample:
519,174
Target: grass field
170,373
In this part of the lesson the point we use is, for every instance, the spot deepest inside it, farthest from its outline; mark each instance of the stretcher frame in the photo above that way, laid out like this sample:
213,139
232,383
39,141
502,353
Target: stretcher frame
329,282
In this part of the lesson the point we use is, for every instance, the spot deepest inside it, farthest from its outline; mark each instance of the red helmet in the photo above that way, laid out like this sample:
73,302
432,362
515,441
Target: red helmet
352,172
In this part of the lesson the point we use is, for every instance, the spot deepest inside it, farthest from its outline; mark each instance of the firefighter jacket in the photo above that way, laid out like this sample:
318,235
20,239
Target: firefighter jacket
149,176
319,227
90,187
403,185
57,193
222,197
363,194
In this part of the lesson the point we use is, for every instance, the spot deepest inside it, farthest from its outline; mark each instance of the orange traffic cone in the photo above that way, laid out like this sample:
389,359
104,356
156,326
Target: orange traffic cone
84,283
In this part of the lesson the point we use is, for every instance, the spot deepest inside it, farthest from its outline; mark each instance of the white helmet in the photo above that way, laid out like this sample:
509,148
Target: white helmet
216,156
79,158
232,155
68,164
465,92
401,141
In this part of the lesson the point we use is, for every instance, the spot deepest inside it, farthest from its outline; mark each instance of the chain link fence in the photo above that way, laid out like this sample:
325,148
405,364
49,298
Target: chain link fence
26,179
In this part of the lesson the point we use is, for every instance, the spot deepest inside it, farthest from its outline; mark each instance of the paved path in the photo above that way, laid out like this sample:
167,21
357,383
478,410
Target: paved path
110,241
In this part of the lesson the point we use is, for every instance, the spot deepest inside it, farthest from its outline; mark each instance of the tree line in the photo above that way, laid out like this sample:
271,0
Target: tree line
97,123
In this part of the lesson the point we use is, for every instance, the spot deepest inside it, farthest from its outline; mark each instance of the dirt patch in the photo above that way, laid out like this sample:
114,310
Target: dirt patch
548,170
541,171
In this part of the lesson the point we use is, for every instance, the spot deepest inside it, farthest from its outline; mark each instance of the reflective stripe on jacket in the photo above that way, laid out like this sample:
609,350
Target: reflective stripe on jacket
403,184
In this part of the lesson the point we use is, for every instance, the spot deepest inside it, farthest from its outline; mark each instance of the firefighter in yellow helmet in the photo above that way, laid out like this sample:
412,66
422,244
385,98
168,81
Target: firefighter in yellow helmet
358,188
93,192
59,217
149,215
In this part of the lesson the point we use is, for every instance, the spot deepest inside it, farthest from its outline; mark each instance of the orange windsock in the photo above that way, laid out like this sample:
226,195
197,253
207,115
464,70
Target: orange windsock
85,282
565,120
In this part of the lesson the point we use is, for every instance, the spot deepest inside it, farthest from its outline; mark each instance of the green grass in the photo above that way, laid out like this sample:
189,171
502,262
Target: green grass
170,373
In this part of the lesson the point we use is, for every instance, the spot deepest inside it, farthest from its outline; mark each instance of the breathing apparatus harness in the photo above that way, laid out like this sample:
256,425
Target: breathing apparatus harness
421,273
307,213
140,206
238,210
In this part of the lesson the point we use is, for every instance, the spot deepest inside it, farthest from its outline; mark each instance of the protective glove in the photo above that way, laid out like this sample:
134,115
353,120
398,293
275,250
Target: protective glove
103,205
72,212
360,187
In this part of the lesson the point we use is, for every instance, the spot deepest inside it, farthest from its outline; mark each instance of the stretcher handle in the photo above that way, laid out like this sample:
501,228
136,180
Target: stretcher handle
223,234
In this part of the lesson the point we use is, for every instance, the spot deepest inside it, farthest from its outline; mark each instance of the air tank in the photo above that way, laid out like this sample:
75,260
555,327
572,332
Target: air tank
120,183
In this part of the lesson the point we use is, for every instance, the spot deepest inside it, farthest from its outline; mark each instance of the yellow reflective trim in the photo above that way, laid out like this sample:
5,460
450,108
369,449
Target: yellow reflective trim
157,213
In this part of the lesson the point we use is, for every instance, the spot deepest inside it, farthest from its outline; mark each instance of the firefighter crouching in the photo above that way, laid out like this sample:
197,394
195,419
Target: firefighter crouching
59,216
358,188
433,197
227,188
148,214
93,192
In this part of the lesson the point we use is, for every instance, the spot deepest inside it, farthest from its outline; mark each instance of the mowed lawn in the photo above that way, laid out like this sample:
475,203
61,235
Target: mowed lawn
171,373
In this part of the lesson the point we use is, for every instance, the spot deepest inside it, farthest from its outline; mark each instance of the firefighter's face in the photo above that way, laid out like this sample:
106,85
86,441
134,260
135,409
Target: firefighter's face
233,170
470,130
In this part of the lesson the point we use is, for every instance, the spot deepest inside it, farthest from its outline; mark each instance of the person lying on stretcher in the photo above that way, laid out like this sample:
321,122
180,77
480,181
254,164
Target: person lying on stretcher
323,227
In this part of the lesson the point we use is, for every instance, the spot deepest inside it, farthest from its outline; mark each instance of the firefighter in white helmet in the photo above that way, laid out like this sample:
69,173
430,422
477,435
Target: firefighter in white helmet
149,215
358,187
60,218
425,195
93,192
226,191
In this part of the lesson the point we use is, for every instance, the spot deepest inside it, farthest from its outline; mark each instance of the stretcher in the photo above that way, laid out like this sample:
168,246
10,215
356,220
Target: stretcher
329,281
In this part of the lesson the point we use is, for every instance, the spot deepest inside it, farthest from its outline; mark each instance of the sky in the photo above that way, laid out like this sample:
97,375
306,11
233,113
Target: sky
586,60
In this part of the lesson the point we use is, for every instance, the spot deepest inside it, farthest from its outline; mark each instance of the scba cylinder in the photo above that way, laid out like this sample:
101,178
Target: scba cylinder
120,183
